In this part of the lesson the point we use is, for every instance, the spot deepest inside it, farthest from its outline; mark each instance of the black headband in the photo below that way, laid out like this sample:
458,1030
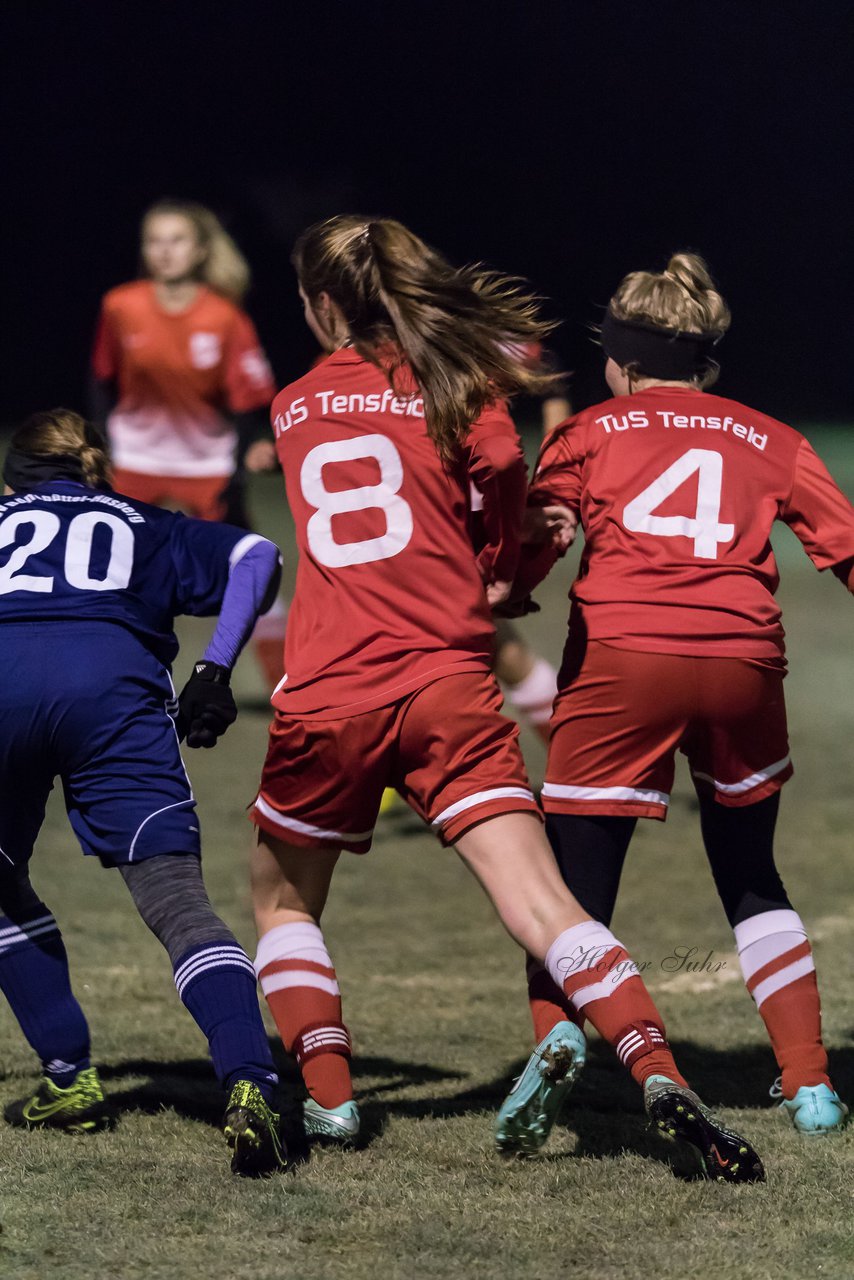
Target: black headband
23,471
657,352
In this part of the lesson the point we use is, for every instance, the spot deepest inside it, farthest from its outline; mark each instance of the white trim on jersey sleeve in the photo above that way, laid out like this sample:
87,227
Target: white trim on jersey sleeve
238,551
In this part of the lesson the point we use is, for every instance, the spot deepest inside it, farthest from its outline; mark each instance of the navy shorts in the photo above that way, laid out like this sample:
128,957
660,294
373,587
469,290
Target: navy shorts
87,702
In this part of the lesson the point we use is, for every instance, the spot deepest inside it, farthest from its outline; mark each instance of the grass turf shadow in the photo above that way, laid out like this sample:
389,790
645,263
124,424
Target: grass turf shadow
189,1087
604,1111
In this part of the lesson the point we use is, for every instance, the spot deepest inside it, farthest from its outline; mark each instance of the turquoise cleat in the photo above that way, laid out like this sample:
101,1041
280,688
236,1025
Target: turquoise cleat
815,1109
339,1125
534,1103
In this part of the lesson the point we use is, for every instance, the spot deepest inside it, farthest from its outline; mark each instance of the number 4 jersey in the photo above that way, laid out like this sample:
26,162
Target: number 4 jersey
389,595
69,553
677,492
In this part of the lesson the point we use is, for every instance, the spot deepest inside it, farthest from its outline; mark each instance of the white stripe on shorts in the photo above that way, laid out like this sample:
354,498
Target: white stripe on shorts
481,797
746,784
305,828
157,812
631,795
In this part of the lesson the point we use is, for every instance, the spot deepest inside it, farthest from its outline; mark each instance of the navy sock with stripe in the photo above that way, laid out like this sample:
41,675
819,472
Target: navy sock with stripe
34,978
216,982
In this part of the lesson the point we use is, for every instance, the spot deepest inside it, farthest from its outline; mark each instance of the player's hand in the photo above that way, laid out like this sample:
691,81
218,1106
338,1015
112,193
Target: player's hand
555,524
261,456
497,593
206,705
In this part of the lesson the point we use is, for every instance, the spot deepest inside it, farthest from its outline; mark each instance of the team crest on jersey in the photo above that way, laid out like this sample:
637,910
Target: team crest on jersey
254,365
205,350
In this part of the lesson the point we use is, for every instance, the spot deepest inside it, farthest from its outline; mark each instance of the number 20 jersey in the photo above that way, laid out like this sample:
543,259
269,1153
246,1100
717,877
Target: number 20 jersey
388,593
72,554
677,491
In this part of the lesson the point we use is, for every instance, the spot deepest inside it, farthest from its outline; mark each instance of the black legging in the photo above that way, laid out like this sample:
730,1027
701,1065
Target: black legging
739,844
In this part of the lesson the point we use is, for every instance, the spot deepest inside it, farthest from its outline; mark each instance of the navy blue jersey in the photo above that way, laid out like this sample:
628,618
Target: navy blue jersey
68,552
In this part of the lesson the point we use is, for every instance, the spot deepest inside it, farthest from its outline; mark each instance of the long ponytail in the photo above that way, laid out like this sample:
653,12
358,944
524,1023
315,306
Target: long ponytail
467,334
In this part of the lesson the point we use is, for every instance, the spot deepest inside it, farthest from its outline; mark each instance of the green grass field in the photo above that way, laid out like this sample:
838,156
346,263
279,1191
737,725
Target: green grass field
435,998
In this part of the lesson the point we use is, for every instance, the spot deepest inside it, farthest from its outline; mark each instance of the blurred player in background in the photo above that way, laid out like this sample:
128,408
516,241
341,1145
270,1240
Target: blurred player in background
90,581
675,641
182,383
389,654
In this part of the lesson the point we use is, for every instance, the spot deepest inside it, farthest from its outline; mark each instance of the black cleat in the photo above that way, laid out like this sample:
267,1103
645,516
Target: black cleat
252,1131
677,1112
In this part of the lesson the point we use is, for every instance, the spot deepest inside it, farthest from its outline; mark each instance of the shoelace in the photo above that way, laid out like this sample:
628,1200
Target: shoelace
776,1090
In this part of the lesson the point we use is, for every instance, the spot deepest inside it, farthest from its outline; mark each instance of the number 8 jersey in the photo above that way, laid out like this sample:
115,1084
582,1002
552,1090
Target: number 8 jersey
389,595
677,491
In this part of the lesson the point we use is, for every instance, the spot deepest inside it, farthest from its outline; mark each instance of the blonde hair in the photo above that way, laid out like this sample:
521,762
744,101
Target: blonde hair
62,431
464,332
682,297
224,268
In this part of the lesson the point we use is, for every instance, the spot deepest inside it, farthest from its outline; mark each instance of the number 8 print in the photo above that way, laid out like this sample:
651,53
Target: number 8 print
383,496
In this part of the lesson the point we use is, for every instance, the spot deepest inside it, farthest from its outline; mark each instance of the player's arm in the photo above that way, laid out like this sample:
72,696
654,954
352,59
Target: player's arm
242,578
822,517
103,370
496,467
552,515
250,388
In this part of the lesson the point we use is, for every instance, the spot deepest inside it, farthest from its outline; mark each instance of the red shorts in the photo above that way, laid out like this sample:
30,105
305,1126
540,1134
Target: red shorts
446,748
199,496
620,716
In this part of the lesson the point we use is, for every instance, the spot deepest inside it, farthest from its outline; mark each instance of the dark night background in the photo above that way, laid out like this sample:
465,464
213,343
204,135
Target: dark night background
569,142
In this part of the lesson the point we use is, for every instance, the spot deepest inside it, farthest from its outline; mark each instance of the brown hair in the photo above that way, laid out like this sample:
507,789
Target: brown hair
62,431
224,268
682,297
463,331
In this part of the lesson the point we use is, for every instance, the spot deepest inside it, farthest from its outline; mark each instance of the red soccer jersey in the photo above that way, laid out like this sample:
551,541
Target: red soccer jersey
388,592
178,374
677,492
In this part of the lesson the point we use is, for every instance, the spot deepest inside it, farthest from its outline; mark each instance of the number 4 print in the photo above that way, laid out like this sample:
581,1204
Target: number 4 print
704,526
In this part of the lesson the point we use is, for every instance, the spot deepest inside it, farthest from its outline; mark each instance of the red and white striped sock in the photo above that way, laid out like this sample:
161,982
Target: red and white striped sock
602,983
776,959
300,986
549,1005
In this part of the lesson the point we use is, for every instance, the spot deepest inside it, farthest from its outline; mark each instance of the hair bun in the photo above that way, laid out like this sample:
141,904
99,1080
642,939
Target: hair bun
689,271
